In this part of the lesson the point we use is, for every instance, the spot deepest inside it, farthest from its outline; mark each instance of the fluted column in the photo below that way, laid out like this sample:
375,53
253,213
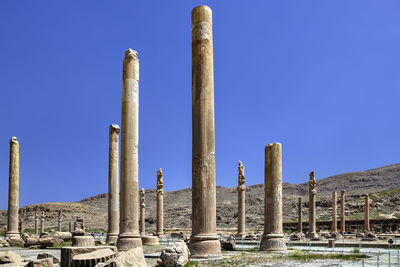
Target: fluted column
366,213
129,209
13,190
160,203
59,220
142,216
36,223
343,211
241,189
312,217
42,222
334,212
300,223
204,241
113,184
273,237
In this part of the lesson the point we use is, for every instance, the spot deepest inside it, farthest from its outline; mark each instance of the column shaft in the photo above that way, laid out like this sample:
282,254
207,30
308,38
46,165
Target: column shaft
273,237
42,223
13,190
142,215
366,213
204,241
343,212
36,224
160,203
241,189
334,212
300,223
129,209
113,184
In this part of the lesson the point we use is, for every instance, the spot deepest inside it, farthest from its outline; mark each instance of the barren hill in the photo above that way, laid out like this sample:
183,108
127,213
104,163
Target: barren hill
177,204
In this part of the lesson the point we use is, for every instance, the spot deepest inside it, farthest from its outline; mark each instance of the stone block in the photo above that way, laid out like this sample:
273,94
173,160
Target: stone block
67,253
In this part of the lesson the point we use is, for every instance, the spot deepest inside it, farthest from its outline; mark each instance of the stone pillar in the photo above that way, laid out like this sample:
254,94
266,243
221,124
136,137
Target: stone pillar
300,224
204,241
42,222
342,212
160,203
36,223
113,184
334,212
21,227
366,213
13,190
312,217
142,216
273,237
59,221
241,189
71,226
129,209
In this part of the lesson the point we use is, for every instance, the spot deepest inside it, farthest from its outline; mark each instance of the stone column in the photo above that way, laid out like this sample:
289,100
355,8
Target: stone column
142,216
204,241
42,222
241,189
113,184
160,203
59,220
71,226
273,237
312,222
366,213
342,212
36,223
334,212
129,209
13,190
21,227
300,224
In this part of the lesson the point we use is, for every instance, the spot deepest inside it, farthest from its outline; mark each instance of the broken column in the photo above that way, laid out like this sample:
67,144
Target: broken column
59,220
129,220
204,241
13,190
241,189
160,203
300,223
342,212
273,238
36,223
312,192
113,184
42,223
366,213
142,216
334,212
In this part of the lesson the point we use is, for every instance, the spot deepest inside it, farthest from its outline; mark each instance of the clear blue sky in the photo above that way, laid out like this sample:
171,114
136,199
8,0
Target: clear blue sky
320,77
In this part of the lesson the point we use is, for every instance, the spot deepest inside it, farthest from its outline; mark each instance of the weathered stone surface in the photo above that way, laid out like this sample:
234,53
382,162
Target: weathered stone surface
297,236
241,189
149,240
228,244
142,213
46,262
312,210
78,232
176,254
334,212
94,257
133,257
66,236
47,255
15,242
67,253
160,203
3,243
13,190
50,241
31,241
343,211
83,241
9,257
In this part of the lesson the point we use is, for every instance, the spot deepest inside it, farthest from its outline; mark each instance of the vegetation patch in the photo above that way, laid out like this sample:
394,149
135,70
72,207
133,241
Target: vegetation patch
306,256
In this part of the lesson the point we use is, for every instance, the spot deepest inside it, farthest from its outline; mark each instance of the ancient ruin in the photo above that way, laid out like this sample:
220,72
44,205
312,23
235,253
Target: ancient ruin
142,216
342,212
113,184
59,221
273,238
241,189
300,220
13,190
366,213
42,222
36,223
312,222
129,220
334,212
204,241
160,203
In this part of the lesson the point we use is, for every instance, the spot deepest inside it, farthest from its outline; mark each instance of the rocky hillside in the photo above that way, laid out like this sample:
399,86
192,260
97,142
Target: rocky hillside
383,182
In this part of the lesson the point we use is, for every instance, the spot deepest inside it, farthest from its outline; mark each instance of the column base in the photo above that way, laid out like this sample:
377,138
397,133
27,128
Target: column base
313,235
149,240
126,242
160,233
112,238
273,242
202,246
13,235
240,235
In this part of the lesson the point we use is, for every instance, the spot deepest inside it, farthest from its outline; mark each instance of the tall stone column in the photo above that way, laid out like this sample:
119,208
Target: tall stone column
13,190
273,238
36,223
241,189
113,184
160,203
334,212
343,212
204,241
300,224
142,216
312,222
129,209
59,220
366,213
42,222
